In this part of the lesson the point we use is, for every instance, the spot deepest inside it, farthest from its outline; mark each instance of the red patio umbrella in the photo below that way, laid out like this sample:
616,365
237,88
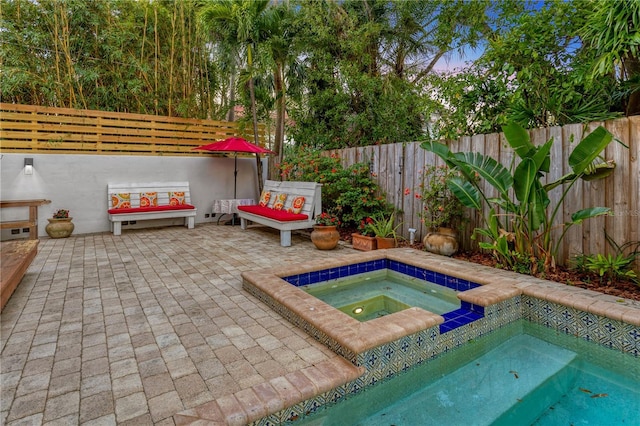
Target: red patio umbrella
235,145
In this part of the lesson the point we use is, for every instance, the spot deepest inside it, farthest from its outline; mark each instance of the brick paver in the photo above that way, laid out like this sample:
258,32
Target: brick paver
133,329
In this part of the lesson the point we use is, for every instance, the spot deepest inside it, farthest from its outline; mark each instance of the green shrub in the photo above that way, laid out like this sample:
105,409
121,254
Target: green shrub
351,193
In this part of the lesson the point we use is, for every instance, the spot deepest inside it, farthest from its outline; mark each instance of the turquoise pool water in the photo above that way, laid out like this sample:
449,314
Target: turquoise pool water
378,293
522,374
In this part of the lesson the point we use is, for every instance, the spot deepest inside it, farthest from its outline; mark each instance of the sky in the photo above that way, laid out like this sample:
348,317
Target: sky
457,61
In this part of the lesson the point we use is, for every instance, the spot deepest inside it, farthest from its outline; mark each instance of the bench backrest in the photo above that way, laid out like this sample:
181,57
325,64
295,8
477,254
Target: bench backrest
311,191
161,188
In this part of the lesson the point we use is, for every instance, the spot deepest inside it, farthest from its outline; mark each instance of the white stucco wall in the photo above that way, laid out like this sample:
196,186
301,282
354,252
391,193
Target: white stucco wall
79,183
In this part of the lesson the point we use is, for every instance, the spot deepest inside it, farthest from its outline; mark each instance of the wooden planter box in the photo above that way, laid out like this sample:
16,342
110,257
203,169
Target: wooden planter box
362,242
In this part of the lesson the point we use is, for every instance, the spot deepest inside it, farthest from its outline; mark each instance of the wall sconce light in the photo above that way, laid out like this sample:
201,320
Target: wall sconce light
28,166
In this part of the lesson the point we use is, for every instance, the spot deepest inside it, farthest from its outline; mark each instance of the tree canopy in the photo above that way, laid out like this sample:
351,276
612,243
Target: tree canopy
329,74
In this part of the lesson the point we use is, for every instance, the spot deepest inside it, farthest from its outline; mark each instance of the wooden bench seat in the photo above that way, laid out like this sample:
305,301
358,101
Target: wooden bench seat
172,200
16,257
282,220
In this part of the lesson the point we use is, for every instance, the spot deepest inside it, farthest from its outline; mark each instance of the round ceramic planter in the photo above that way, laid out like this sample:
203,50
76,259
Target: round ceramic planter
325,237
59,228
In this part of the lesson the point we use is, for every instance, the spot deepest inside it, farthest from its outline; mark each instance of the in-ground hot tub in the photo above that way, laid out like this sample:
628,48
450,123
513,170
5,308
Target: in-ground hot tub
283,291
383,292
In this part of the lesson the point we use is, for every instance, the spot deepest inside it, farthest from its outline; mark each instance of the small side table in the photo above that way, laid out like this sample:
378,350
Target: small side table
229,207
31,223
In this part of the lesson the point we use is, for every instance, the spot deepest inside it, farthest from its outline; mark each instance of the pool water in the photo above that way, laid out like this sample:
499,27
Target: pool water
374,294
522,374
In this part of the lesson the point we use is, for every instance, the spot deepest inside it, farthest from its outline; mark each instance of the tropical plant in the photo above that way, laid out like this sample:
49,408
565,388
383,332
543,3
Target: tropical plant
612,267
441,208
383,226
611,34
81,54
536,72
527,232
242,25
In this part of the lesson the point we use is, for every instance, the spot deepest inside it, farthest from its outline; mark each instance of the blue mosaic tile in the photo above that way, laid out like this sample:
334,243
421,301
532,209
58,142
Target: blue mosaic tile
396,266
440,279
454,283
458,318
451,282
472,307
343,271
334,273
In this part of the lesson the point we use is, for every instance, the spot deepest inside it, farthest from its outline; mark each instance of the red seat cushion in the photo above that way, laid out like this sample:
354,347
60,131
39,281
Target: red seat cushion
151,209
281,215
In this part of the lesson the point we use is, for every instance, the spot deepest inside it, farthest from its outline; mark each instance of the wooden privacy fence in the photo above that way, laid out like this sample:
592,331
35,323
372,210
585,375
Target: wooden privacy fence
36,129
399,167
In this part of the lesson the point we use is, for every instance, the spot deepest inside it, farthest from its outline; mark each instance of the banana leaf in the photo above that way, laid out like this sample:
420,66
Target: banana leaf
599,171
538,203
518,139
523,179
440,149
583,214
465,191
589,148
542,157
489,169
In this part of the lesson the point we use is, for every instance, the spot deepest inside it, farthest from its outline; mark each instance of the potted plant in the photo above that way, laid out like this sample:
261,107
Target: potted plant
384,230
325,235
364,239
60,225
443,214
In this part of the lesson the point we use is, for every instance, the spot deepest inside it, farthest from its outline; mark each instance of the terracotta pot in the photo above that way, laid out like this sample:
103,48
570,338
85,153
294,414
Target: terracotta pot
363,242
325,237
59,228
385,242
444,241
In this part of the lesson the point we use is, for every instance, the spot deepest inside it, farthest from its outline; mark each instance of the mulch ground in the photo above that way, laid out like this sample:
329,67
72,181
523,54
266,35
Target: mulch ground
627,289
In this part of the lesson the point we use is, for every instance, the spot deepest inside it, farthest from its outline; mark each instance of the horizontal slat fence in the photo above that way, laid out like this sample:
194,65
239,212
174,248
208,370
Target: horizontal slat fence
36,129
400,166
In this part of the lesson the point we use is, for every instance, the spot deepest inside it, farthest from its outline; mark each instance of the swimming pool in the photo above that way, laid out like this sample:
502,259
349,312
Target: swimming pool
521,374
383,292
386,347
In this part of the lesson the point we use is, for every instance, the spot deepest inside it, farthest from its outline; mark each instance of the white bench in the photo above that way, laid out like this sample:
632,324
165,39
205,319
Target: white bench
281,220
167,207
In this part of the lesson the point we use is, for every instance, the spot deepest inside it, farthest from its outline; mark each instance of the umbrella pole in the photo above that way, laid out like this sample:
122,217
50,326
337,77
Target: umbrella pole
235,184
235,175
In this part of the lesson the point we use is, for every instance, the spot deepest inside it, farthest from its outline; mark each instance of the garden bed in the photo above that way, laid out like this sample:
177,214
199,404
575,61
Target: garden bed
627,288
624,288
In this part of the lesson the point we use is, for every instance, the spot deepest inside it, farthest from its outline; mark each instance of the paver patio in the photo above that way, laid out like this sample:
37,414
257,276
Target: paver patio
136,328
